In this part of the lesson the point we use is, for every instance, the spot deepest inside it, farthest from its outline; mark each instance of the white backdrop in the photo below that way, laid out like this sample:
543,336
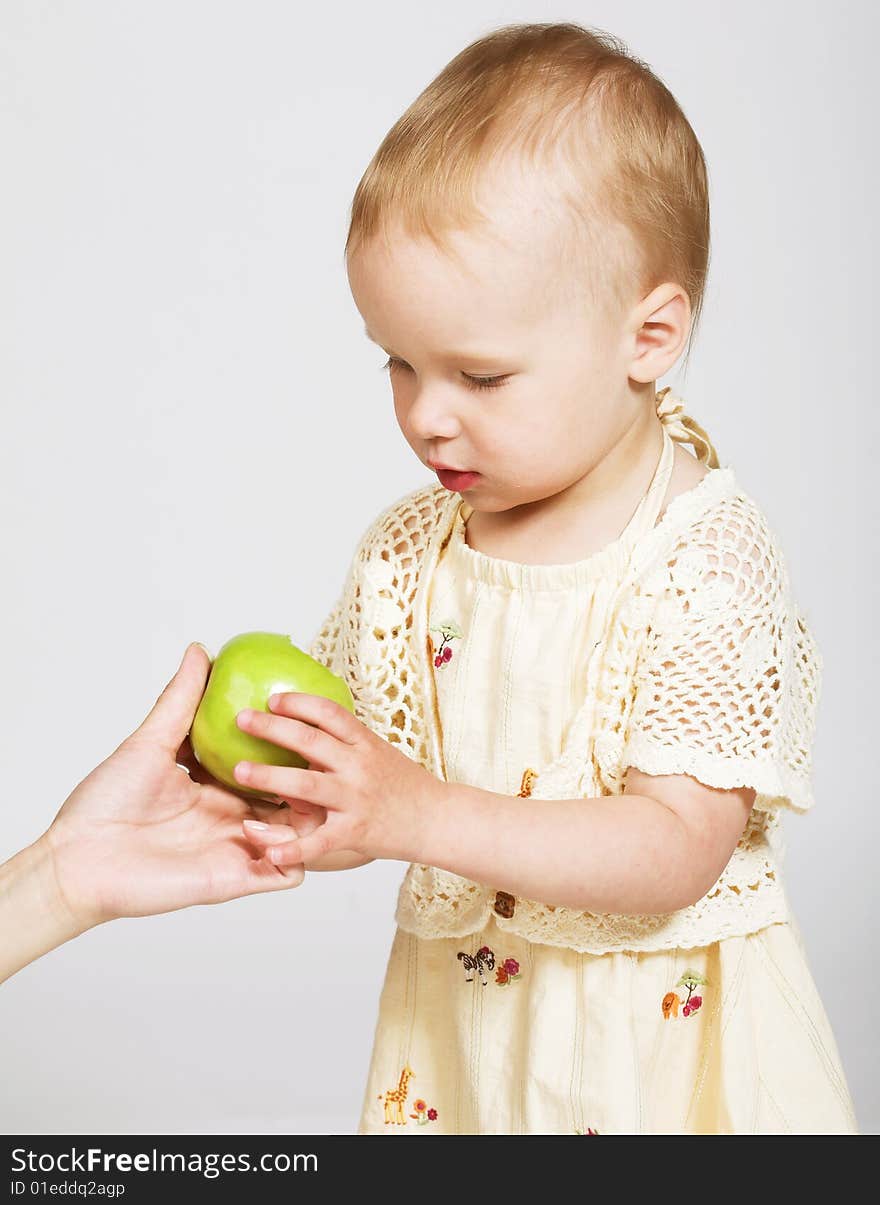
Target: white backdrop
189,401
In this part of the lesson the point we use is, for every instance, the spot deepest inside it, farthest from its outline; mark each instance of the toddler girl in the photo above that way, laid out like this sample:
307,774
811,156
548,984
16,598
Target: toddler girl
584,693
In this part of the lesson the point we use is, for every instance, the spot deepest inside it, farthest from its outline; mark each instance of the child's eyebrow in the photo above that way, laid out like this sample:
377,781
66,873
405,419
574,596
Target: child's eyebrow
459,357
373,339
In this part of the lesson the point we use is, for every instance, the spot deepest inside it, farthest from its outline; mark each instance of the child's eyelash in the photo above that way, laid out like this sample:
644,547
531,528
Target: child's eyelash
471,382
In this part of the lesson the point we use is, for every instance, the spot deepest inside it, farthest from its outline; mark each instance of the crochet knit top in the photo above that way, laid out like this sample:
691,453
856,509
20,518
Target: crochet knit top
706,667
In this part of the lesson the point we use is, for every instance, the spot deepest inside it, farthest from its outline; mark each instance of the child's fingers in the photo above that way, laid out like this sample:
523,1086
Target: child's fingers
319,749
270,837
186,758
308,847
283,782
301,808
286,818
304,823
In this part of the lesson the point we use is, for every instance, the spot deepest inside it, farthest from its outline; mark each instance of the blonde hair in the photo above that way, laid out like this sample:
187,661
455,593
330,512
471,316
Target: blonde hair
629,172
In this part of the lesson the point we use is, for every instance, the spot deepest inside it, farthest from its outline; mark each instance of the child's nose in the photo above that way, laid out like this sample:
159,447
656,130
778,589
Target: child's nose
430,417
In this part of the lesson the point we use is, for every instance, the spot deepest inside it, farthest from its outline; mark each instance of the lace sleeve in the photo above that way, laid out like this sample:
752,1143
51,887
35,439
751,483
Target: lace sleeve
325,646
727,687
334,633
337,634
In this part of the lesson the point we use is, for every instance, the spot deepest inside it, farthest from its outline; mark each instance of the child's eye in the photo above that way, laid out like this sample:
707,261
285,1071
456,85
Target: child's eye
471,382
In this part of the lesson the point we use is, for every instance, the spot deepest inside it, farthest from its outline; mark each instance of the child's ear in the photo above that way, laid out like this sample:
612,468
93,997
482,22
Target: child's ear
661,323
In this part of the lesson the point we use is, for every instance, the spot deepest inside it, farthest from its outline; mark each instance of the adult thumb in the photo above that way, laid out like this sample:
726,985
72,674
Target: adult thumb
172,715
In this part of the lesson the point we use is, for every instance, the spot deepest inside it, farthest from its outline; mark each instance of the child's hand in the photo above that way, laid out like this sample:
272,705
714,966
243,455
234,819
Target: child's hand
282,825
376,798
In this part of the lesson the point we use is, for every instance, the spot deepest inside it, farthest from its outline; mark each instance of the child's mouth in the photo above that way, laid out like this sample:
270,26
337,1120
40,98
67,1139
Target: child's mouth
456,481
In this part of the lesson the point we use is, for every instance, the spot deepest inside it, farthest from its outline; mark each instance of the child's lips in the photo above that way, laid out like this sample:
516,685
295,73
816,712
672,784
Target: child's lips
456,481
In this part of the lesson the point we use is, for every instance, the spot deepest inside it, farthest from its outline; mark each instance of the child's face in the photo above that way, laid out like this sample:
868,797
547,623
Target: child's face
506,307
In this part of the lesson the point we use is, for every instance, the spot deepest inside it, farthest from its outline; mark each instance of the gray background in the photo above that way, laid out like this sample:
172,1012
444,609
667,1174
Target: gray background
189,404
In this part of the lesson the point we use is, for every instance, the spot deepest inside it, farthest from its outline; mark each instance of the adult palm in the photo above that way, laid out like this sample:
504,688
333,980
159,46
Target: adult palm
149,831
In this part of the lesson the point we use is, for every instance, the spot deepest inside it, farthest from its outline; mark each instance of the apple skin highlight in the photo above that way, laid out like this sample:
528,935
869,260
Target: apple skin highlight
247,670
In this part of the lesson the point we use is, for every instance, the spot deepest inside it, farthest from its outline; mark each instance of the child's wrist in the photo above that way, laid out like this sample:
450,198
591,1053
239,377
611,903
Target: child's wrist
339,859
436,814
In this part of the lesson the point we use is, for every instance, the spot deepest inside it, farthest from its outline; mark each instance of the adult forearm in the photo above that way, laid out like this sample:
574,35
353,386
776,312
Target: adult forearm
33,916
622,853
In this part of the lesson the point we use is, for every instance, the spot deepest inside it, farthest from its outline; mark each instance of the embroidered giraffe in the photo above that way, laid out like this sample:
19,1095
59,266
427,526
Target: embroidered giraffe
397,1096
528,779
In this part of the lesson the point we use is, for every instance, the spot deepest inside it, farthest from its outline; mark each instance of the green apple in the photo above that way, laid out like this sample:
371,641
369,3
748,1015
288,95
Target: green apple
247,670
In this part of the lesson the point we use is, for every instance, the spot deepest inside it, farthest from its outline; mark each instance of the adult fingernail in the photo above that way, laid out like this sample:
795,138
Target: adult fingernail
256,824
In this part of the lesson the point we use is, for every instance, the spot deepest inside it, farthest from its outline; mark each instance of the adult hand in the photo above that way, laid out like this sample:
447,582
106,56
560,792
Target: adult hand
149,831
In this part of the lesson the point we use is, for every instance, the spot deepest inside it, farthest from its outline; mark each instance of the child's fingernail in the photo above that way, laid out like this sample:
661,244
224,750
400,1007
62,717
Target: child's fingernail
276,854
274,700
256,824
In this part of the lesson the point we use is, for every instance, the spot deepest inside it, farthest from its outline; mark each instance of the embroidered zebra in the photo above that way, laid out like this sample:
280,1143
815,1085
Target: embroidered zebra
475,962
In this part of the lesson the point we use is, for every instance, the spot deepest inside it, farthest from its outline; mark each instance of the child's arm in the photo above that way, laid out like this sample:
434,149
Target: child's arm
652,851
343,859
636,853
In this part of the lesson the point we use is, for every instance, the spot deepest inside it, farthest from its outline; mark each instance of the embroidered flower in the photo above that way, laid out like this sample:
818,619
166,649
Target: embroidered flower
423,1114
671,1001
508,971
449,630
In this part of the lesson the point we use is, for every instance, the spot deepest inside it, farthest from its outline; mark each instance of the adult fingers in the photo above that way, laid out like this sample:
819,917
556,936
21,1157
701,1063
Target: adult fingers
264,876
171,716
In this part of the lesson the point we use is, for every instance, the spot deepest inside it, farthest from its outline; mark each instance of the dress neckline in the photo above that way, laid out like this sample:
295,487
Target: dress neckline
609,561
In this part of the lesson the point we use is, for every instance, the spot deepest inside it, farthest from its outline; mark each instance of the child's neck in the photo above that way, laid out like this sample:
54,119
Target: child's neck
585,516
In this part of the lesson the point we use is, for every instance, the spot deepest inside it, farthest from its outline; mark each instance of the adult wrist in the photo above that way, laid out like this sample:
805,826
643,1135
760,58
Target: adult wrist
70,915
34,916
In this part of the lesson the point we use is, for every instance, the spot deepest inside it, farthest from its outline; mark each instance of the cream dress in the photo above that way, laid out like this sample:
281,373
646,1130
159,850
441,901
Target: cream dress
495,1034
